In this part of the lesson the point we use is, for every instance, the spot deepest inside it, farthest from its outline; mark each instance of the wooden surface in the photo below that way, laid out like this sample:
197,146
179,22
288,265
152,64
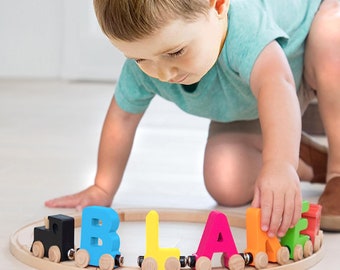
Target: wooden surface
21,240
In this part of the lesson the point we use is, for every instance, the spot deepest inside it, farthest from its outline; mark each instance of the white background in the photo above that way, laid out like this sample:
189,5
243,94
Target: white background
54,39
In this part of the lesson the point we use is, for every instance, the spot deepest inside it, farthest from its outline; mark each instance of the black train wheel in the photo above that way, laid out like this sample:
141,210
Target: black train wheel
191,261
183,261
140,260
119,260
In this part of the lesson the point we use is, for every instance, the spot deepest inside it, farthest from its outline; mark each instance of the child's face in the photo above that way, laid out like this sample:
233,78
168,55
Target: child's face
181,52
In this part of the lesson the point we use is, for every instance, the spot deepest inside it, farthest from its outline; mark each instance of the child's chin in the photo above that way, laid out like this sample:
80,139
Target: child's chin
190,81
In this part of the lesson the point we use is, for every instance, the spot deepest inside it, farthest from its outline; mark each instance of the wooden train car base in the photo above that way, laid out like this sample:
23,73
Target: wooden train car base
21,240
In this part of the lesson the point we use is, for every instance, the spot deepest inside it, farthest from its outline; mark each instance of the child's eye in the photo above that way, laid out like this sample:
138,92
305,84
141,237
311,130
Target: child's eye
175,54
138,61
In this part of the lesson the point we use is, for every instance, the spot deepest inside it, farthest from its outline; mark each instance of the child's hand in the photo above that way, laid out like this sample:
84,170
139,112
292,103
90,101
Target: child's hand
90,196
277,193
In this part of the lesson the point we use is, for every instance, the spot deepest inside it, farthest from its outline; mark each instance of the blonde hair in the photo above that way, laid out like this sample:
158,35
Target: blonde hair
130,20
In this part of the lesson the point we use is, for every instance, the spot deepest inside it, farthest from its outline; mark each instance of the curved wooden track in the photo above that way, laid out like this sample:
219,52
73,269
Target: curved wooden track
21,240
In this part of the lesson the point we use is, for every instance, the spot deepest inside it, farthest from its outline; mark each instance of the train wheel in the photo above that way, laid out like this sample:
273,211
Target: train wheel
203,263
183,261
282,255
106,262
119,260
261,260
320,234
191,261
172,263
317,241
82,258
298,253
38,249
308,249
54,254
223,260
140,260
317,244
236,262
149,264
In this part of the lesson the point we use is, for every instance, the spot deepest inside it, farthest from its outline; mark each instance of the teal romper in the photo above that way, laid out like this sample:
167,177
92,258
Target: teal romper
223,94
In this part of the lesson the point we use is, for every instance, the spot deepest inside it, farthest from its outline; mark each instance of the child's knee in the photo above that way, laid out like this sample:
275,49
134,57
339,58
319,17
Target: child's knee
323,47
325,27
229,191
231,165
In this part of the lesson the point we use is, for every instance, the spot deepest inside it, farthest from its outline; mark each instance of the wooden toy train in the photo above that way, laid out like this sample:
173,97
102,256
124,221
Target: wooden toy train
100,243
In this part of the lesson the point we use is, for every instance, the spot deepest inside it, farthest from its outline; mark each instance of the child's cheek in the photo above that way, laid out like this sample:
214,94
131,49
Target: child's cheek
148,70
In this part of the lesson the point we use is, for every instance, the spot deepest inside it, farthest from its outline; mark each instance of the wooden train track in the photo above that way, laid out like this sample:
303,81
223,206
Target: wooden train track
21,240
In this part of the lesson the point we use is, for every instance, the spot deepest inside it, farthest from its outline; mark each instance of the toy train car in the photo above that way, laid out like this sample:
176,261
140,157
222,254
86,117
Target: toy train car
217,238
99,240
100,243
55,240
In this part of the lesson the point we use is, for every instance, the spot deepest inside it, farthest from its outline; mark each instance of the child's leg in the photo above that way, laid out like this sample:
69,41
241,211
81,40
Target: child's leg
322,72
231,164
233,159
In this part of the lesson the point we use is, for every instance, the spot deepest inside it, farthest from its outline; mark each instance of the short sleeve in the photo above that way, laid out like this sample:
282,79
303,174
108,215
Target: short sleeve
131,93
247,38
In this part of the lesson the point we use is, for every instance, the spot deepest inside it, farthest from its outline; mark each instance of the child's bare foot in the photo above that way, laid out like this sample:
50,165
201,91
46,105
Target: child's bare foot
90,196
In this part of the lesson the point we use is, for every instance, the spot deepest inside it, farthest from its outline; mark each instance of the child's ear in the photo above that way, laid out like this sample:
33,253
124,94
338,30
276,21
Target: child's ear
221,6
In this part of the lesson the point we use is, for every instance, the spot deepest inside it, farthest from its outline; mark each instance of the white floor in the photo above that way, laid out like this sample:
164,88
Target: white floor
49,132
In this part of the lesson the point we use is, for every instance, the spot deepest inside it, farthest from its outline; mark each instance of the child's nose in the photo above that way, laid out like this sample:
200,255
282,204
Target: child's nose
165,73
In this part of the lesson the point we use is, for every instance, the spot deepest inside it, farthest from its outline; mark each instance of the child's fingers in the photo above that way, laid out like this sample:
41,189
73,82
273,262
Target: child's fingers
266,210
287,215
256,200
278,206
70,201
298,209
292,212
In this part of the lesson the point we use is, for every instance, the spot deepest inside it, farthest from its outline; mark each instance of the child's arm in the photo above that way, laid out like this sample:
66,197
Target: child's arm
277,189
114,150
